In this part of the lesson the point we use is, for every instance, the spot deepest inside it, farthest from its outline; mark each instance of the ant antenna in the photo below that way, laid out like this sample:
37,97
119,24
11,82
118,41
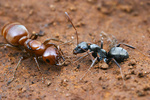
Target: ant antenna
73,27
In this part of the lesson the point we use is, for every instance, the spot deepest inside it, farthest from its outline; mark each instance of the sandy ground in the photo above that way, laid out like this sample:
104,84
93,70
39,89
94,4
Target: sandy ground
126,20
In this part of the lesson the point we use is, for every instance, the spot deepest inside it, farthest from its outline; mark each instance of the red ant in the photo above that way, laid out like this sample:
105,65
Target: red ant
17,37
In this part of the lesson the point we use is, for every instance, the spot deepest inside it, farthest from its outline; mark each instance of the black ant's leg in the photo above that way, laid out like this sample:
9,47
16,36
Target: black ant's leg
120,69
106,35
132,48
110,38
125,45
102,43
84,56
88,54
93,62
38,67
108,60
15,71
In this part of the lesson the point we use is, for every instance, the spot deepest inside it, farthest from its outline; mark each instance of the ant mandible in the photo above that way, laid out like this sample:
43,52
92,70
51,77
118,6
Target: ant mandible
17,37
115,54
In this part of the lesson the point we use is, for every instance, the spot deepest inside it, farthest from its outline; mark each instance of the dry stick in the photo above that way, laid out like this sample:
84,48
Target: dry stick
73,27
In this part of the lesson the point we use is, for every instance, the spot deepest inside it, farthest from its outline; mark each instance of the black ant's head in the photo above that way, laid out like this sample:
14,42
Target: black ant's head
81,48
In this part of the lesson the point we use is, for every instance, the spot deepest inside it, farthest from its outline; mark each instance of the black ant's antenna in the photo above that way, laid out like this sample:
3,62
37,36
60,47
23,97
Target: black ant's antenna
73,27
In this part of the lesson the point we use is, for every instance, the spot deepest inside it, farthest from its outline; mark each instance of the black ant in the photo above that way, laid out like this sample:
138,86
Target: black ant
17,37
115,54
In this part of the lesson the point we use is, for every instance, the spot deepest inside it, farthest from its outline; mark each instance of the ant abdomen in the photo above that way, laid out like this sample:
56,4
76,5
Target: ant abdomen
13,32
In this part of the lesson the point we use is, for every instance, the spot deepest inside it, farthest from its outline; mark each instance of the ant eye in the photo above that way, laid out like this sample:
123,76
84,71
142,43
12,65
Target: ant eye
47,60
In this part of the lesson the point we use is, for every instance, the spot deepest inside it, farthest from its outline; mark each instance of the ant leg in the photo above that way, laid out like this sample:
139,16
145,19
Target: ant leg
81,58
132,48
54,39
125,45
34,36
120,70
57,40
88,53
15,71
38,67
93,62
65,42
111,38
102,43
106,35
9,45
63,63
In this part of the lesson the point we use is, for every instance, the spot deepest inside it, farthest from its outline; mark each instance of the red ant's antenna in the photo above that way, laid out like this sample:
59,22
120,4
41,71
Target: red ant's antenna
73,27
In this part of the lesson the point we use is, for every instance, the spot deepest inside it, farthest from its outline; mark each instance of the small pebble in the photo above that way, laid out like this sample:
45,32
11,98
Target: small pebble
104,66
72,8
49,83
148,29
126,8
91,1
140,93
79,24
131,67
141,74
127,77
56,35
132,62
52,7
133,72
119,77
147,88
31,12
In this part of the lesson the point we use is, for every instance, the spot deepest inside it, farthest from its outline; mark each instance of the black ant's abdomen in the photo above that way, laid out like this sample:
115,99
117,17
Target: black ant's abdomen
118,53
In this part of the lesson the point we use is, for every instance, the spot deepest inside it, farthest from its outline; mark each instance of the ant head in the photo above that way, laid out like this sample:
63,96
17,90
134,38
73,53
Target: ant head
81,48
51,56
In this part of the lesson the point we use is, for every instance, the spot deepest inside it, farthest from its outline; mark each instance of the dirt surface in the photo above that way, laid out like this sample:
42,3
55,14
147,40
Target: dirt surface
126,20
